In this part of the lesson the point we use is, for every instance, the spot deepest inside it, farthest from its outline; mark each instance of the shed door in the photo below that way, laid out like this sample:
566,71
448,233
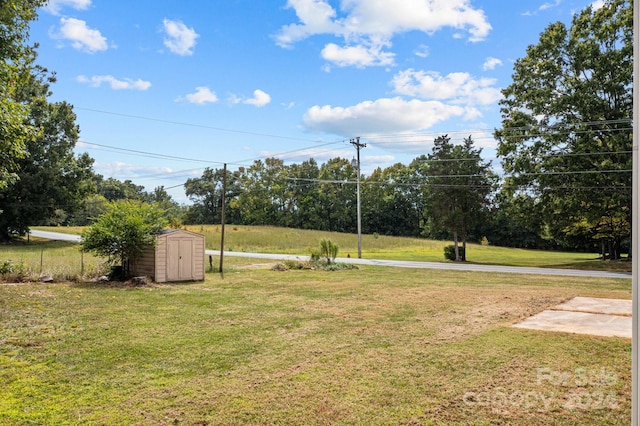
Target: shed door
180,259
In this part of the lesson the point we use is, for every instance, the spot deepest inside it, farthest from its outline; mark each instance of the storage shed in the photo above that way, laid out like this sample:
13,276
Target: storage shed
177,256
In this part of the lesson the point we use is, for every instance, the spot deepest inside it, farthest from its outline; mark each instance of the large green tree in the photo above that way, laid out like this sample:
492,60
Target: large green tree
565,140
51,178
459,188
16,62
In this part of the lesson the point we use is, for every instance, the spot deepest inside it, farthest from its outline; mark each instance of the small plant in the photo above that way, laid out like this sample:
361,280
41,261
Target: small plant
315,255
328,250
11,271
280,267
485,241
6,267
450,252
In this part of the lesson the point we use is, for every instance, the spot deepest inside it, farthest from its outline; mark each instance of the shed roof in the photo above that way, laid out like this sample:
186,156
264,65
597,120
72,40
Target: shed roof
173,230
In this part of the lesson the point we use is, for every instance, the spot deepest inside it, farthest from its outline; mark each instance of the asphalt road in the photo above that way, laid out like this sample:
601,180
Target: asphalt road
394,263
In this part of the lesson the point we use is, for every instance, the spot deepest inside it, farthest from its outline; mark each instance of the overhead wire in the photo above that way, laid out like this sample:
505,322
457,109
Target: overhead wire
408,138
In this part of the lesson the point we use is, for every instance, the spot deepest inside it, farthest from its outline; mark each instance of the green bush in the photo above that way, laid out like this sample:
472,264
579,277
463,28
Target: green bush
450,252
6,267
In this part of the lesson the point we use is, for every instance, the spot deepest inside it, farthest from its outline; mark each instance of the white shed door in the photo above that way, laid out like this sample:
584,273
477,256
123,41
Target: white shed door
179,259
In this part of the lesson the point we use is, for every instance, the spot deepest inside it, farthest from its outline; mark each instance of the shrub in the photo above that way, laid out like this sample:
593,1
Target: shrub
450,252
13,272
280,267
6,267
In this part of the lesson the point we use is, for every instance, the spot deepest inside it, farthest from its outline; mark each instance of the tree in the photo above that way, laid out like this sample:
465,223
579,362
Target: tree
161,198
387,206
206,194
16,62
566,136
458,190
303,188
112,189
51,179
337,196
124,231
264,199
92,207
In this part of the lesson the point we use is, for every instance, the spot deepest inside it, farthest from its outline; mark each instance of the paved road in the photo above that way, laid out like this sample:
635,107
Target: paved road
394,263
59,236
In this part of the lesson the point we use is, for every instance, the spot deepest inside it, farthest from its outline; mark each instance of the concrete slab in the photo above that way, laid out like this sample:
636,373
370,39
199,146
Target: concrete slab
585,315
597,306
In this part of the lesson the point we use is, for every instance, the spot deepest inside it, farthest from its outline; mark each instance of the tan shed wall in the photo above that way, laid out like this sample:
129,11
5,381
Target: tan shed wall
145,264
160,275
154,262
199,258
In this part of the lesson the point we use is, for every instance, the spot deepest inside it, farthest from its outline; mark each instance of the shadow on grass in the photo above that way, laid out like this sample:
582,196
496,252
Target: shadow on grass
129,285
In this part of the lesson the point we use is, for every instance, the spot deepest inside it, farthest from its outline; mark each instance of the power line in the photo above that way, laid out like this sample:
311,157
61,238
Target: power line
201,126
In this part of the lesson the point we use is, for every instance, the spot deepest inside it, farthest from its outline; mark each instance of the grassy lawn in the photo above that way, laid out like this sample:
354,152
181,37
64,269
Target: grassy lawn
59,259
266,239
368,346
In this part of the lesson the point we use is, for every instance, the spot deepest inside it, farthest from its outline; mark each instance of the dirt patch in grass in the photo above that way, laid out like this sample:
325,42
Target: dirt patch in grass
372,346
257,266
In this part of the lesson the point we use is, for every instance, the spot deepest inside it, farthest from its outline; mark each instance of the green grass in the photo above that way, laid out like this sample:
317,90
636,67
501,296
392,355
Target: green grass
369,346
61,260
264,239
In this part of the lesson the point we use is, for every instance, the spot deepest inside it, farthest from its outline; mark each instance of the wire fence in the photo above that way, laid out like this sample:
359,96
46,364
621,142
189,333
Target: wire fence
50,264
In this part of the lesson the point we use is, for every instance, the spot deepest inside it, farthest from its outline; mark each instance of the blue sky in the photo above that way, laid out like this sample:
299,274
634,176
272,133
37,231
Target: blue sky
163,89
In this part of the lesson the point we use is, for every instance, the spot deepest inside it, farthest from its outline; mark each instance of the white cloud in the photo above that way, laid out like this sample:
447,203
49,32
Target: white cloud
318,154
179,39
386,115
434,99
114,83
315,16
80,35
457,88
202,95
260,99
121,170
367,26
422,51
597,4
55,6
491,63
358,56
546,6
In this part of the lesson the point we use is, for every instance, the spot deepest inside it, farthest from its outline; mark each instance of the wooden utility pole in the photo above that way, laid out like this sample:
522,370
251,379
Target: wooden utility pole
224,192
358,145
635,225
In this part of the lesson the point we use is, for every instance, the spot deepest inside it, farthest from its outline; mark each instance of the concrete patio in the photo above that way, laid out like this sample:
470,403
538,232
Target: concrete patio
585,315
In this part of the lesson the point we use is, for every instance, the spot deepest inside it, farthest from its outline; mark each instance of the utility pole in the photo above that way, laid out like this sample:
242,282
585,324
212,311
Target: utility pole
635,226
222,219
358,145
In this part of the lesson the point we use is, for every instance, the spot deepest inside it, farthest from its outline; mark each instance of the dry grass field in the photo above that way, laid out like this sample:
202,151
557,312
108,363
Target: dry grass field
258,347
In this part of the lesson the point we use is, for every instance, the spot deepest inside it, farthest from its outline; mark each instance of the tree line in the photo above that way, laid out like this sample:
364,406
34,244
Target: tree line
447,191
564,146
